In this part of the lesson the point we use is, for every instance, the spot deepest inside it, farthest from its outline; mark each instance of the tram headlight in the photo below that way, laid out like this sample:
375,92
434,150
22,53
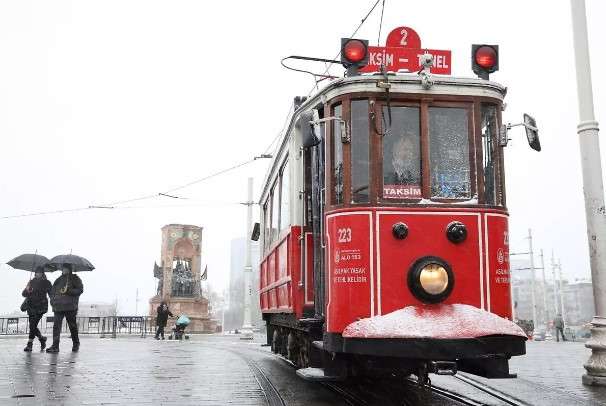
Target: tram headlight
433,279
430,280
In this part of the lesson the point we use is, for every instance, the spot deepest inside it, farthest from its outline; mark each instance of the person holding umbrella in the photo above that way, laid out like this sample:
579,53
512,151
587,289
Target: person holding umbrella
35,293
65,295
36,304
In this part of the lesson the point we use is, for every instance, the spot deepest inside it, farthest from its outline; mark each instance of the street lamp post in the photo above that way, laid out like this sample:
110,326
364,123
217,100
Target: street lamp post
559,265
593,190
532,282
545,311
247,331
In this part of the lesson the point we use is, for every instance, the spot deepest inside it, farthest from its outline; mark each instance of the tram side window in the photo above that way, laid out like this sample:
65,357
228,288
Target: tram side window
359,151
449,153
489,136
402,153
266,227
284,198
337,157
275,212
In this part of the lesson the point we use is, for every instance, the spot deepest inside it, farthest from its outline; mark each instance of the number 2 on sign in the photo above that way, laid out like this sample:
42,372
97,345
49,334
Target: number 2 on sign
404,34
344,234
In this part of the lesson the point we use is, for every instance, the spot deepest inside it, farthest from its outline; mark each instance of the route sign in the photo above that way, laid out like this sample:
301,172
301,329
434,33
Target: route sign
404,52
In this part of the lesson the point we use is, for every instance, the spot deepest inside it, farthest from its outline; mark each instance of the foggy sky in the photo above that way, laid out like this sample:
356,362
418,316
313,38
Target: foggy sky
106,101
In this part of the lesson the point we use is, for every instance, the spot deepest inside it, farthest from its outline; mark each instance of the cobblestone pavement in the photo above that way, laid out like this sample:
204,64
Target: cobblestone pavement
209,370
559,366
550,374
126,371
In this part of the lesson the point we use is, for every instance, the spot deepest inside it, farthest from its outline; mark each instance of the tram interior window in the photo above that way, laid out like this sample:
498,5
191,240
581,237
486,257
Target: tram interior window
285,198
449,153
402,153
275,212
489,134
337,157
359,151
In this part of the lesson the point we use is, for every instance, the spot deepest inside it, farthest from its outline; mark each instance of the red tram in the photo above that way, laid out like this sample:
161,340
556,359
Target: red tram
384,223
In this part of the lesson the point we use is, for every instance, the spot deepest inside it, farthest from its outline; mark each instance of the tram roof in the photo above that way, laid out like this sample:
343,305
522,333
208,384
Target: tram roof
409,83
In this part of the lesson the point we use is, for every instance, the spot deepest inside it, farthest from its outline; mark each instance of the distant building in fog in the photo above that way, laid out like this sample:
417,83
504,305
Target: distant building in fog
578,295
234,316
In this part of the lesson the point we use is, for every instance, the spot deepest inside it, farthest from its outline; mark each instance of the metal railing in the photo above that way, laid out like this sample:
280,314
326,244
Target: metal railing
108,326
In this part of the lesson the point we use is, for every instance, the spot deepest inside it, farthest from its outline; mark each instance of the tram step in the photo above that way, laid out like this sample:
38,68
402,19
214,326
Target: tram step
317,375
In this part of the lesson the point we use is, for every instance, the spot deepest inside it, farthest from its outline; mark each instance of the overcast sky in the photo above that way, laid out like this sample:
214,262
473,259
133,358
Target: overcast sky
106,101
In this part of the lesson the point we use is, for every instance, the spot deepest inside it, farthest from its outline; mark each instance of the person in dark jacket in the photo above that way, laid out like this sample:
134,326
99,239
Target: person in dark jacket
162,318
36,304
558,323
64,296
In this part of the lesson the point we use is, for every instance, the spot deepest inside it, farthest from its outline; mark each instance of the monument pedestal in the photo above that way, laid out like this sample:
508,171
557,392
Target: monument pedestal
194,308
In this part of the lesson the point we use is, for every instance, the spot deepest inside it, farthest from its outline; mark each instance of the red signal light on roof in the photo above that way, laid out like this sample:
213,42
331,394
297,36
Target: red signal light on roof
354,54
486,57
354,50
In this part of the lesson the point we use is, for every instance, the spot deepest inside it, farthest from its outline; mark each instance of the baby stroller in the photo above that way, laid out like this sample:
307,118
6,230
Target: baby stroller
179,329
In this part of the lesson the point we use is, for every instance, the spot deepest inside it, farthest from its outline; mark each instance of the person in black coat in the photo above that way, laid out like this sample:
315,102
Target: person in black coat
36,305
64,296
162,318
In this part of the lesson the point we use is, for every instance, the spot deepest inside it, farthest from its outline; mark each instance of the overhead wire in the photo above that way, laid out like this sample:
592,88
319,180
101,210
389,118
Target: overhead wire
166,193
351,36
381,24
117,204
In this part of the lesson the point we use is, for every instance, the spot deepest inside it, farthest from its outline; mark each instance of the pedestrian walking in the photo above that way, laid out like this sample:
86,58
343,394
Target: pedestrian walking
36,304
558,323
65,295
162,318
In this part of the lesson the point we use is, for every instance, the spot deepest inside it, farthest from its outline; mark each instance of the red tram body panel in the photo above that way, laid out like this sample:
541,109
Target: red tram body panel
367,265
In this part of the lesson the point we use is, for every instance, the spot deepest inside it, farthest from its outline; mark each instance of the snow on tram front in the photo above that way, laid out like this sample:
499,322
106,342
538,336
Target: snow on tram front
384,221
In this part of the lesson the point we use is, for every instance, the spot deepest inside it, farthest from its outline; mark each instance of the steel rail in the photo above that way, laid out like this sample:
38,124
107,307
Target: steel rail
269,390
491,391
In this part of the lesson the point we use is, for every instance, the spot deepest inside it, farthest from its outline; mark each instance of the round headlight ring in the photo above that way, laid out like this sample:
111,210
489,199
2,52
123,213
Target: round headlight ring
414,279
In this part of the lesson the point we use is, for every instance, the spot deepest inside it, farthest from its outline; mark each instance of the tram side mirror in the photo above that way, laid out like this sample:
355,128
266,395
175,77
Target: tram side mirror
503,136
309,137
532,132
256,232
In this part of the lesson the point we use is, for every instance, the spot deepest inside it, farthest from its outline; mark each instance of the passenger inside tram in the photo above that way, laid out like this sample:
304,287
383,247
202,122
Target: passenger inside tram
406,169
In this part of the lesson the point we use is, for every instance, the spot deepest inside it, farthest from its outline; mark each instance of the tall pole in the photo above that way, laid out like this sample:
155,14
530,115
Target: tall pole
247,332
137,302
593,189
532,281
555,286
561,290
545,311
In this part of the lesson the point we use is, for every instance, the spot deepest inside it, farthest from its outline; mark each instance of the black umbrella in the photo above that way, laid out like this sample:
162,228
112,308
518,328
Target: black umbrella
29,262
78,264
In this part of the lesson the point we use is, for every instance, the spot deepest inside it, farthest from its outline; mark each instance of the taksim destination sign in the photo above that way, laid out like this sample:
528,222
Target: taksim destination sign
403,52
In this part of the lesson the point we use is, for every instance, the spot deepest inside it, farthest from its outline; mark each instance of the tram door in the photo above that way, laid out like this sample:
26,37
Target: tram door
315,215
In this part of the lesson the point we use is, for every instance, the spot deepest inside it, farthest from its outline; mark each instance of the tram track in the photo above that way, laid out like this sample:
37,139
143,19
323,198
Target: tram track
367,392
503,397
272,395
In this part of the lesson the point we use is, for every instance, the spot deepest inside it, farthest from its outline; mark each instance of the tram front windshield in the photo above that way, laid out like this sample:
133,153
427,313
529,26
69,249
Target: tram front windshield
419,153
